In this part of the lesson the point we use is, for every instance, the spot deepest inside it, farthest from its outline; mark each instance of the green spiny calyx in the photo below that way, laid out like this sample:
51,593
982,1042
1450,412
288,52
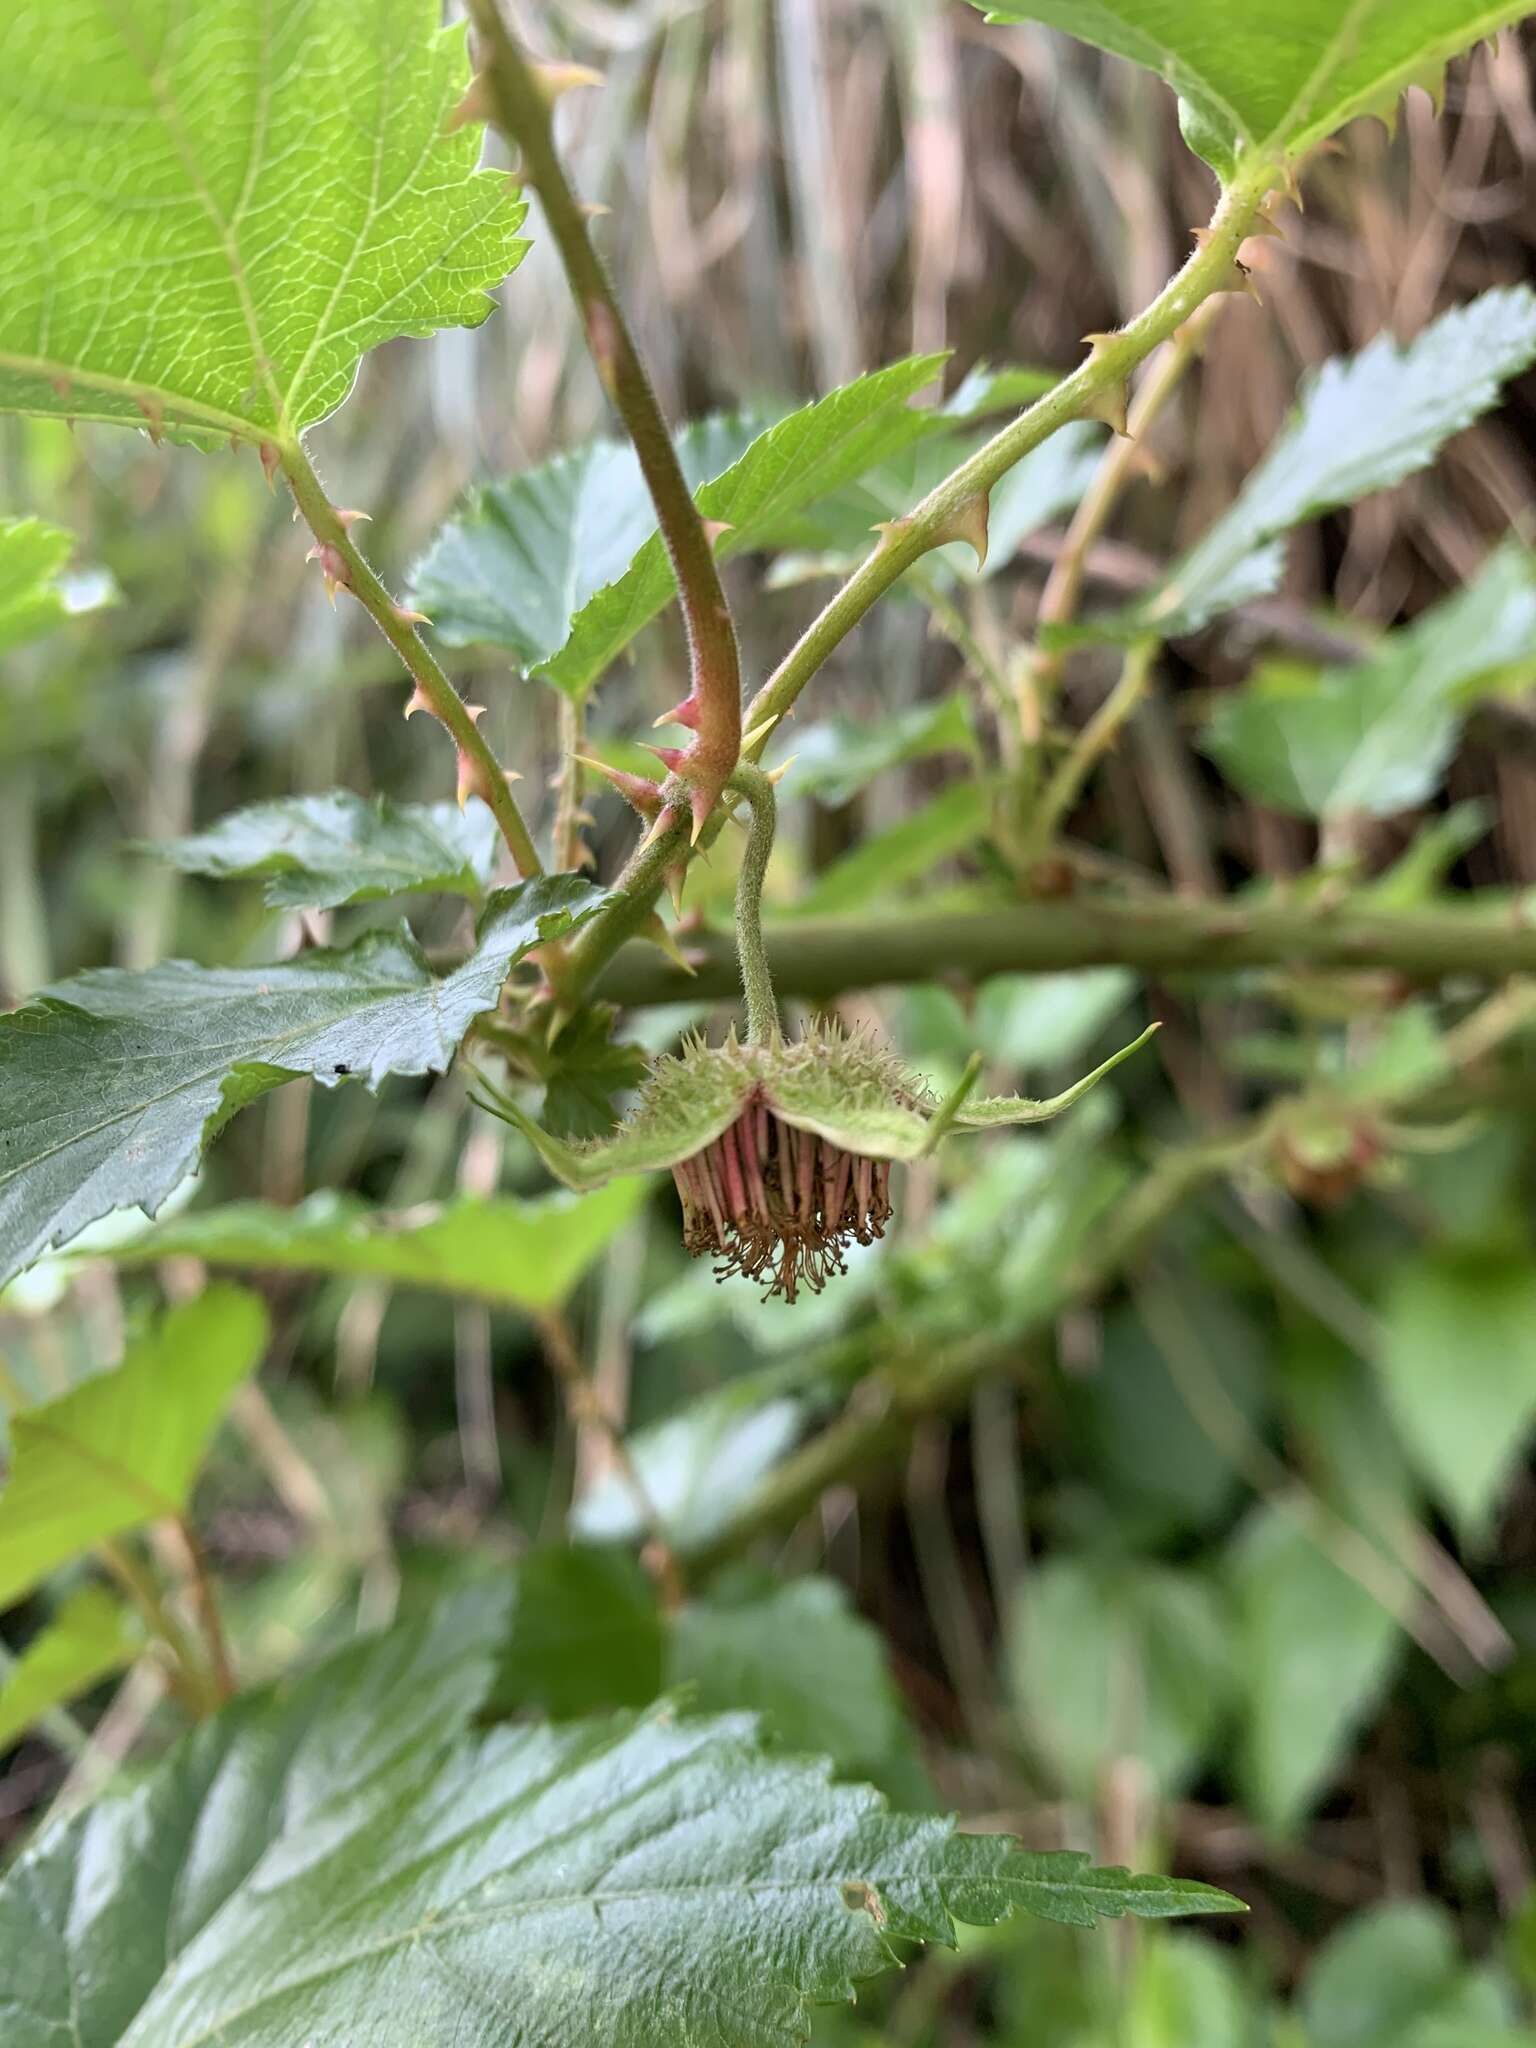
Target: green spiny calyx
781,1150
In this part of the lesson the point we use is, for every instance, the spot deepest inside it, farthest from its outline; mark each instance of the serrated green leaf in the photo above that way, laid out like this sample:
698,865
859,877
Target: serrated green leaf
1313,1650
504,1252
1377,735
584,1070
609,1882
111,1082
1277,78
521,544
216,211
318,852
92,1636
125,1447
1361,423
171,1849
1458,1364
586,1634
528,553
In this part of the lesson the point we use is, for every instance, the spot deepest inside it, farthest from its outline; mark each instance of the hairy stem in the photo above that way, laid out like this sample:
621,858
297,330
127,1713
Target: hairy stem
519,103
756,981
1209,270
1158,935
343,561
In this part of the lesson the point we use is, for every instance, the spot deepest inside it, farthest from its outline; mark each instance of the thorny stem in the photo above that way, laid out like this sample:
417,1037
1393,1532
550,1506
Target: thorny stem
480,772
756,981
587,1411
1209,270
519,103
1121,460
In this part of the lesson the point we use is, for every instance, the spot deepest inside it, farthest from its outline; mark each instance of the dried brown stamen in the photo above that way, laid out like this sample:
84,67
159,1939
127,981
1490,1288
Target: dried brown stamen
779,1204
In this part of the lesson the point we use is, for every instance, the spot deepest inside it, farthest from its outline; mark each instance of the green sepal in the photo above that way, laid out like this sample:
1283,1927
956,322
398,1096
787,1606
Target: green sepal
994,1111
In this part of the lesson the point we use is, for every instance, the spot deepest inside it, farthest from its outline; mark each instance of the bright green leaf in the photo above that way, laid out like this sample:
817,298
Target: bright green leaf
1118,1659
92,1636
1377,736
125,1447
1281,75
584,1070
1458,1362
586,1633
504,1252
527,553
1361,423
216,211
111,1083
34,598
1314,1648
317,852
519,541
608,1882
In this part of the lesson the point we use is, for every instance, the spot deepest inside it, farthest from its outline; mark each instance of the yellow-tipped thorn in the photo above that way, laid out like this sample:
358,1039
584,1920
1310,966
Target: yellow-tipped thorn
661,935
346,519
475,107
968,522
555,80
409,618
760,732
778,774
658,825
593,209
558,1019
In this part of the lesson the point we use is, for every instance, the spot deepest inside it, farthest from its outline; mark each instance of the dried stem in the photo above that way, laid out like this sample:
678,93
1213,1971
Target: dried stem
587,1413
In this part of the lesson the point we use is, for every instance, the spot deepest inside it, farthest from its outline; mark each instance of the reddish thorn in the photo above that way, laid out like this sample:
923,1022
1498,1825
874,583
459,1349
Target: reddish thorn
687,713
270,463
669,757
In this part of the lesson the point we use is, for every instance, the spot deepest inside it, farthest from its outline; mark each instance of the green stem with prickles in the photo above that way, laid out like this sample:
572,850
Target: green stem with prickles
756,981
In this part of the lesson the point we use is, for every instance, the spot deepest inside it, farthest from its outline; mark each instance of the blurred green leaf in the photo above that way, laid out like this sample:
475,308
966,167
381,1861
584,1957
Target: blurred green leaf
32,558
696,1466
91,1636
1284,74
124,1448
800,1655
526,554
1378,735
837,757
1186,1994
1111,1659
903,853
1393,1977
586,1634
111,1083
1361,423
518,541
493,1248
1458,1361
1313,1649
1039,1020
317,852
308,202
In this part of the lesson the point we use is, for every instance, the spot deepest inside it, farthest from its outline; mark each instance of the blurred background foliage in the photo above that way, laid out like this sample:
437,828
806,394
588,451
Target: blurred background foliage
1226,1570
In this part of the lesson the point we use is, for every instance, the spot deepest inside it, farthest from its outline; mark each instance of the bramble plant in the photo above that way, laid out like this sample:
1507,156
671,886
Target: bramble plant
539,1803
